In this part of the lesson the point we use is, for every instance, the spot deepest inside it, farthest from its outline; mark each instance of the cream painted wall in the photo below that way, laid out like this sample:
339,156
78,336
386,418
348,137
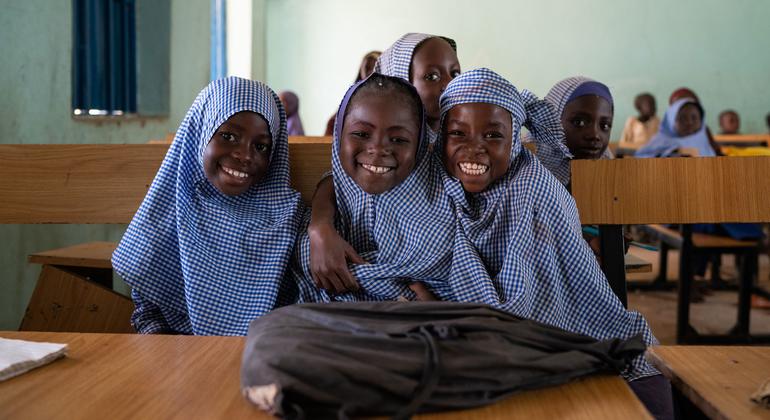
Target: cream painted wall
717,48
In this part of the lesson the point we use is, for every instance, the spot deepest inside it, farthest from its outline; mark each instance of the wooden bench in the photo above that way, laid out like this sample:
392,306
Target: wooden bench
98,184
743,140
683,191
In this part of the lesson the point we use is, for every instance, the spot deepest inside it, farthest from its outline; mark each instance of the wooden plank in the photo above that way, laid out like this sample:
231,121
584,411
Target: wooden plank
717,379
198,377
105,183
91,254
673,190
63,301
75,183
743,139
635,264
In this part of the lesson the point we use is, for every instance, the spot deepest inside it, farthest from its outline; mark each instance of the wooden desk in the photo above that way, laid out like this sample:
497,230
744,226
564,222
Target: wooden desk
135,376
636,264
74,292
718,380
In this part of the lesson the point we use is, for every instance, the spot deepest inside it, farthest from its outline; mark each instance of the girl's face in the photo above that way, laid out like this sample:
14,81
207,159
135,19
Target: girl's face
434,65
378,145
477,147
587,123
238,154
688,120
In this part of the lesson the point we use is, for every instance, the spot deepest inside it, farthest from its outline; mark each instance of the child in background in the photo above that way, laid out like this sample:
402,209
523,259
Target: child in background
364,70
518,245
688,93
585,109
639,130
290,102
395,225
729,122
208,248
682,126
767,122
428,62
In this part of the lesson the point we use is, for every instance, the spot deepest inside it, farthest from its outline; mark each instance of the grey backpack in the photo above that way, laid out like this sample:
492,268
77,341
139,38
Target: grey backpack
399,358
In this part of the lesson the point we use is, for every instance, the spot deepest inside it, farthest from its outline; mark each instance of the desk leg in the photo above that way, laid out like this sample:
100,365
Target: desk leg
748,269
685,281
613,259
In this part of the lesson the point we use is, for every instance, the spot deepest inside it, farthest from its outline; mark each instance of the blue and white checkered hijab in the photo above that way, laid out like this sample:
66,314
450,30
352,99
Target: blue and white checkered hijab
213,262
557,159
405,233
667,140
518,245
396,61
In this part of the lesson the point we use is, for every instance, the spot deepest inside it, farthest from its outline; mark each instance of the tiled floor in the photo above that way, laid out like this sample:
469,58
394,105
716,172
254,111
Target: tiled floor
716,314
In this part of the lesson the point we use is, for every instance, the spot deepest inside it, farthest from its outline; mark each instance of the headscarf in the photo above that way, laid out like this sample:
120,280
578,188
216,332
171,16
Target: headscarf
518,245
213,262
293,122
557,160
396,61
682,93
667,141
404,233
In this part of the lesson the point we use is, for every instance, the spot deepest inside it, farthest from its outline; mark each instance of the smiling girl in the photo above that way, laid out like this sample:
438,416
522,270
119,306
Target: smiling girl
208,248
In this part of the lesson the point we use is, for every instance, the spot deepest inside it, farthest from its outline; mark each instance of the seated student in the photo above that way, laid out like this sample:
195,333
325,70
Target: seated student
682,126
389,206
364,70
767,122
290,102
640,129
688,93
428,62
208,248
518,244
729,122
585,109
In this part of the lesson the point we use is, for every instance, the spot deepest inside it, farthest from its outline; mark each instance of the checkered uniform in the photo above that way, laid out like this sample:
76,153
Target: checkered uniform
201,262
518,245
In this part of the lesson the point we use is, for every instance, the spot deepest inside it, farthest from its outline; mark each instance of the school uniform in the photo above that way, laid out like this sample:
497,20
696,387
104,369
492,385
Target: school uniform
518,245
404,233
199,261
636,132
557,158
667,141
397,60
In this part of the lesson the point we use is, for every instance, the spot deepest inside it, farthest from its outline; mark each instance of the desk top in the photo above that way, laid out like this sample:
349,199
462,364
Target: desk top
91,254
136,376
718,379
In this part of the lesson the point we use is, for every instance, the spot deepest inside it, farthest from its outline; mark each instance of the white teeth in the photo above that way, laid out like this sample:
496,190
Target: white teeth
235,173
376,169
473,168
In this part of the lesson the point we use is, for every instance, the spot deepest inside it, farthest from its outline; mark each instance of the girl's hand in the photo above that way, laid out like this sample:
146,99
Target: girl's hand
329,256
423,293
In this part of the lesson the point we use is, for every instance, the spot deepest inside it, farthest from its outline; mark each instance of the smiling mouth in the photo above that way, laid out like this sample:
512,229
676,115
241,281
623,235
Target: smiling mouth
376,169
469,168
234,173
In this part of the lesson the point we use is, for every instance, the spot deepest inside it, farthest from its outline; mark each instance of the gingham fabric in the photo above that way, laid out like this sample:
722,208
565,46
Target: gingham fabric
404,233
667,141
211,263
396,61
518,245
557,159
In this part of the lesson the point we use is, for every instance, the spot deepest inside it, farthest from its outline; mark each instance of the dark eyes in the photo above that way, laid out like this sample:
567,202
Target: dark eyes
432,77
489,135
579,122
605,126
455,73
261,147
230,137
362,135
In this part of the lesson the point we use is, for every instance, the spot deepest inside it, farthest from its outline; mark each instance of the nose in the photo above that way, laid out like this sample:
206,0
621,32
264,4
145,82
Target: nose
243,152
592,132
379,145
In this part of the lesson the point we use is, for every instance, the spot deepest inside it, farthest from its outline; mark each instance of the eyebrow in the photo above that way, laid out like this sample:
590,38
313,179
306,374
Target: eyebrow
366,123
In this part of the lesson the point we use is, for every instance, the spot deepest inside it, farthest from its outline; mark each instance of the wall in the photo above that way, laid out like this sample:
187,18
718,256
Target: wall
36,43
717,48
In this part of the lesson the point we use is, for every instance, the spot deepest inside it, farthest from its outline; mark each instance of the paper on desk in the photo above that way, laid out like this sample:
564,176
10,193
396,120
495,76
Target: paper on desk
19,356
